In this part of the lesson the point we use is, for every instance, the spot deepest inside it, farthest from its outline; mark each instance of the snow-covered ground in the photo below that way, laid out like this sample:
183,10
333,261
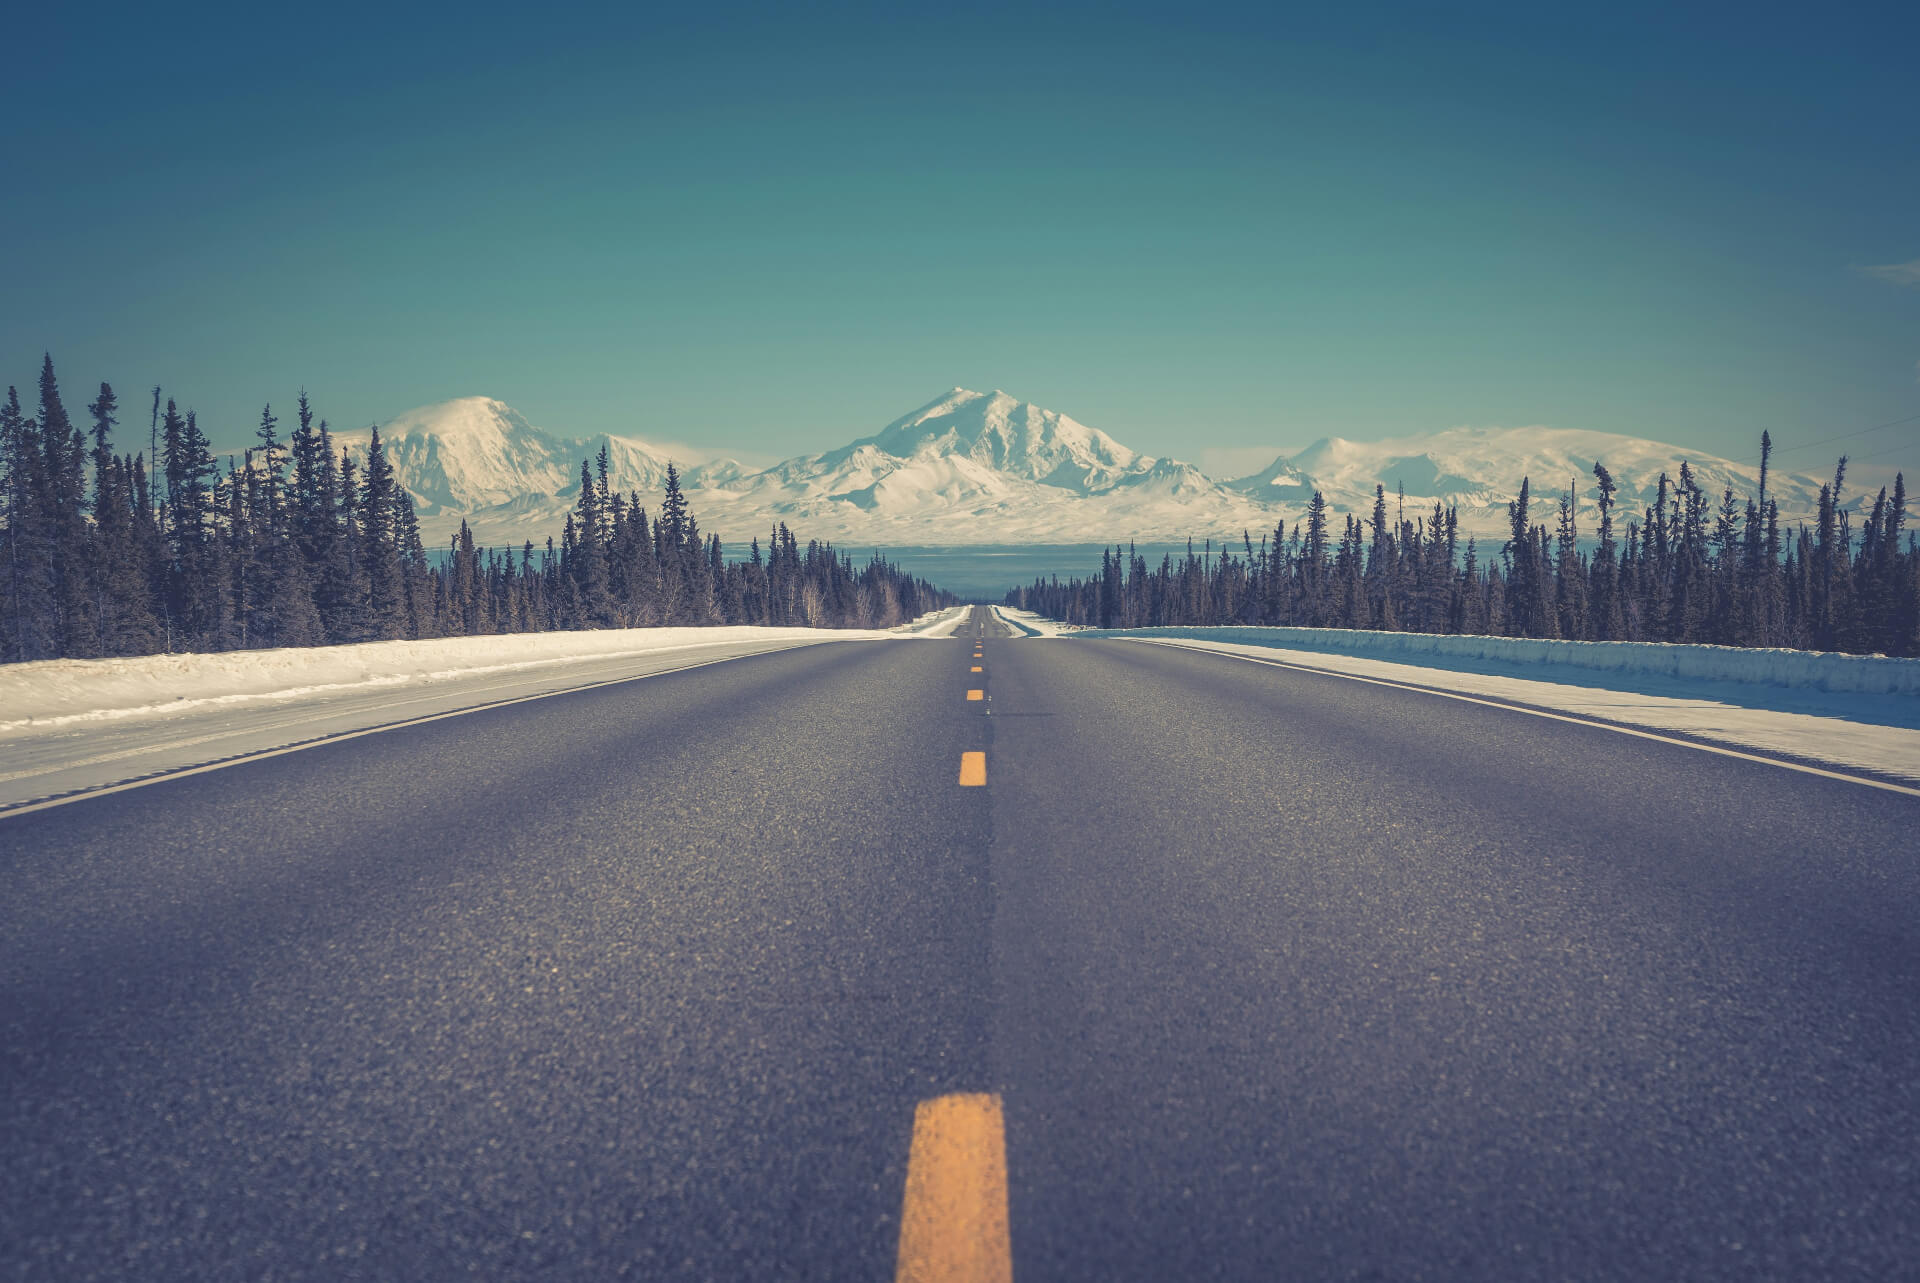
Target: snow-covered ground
1818,712
940,623
1028,624
1799,670
72,724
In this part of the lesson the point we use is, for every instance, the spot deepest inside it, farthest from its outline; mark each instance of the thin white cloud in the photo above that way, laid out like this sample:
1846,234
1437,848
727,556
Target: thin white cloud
685,455
1899,273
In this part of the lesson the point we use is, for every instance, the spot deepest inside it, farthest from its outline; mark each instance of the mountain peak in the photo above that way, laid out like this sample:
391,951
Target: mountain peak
476,453
462,418
999,431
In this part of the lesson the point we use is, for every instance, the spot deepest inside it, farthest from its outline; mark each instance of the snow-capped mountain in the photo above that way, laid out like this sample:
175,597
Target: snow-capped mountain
1012,437
1479,471
478,459
972,467
987,468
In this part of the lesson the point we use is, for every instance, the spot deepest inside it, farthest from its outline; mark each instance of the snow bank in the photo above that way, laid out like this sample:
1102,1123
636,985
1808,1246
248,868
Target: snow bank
941,623
56,692
1027,624
1830,737
1800,669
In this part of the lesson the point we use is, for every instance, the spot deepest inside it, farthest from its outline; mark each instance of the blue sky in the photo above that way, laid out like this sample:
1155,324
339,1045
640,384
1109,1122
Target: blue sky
1201,228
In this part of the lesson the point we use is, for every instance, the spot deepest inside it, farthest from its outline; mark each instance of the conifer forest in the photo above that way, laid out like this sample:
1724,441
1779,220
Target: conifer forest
1692,567
162,549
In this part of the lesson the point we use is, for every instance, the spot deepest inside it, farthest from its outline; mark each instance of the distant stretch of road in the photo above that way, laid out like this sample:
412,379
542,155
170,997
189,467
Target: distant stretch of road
1078,959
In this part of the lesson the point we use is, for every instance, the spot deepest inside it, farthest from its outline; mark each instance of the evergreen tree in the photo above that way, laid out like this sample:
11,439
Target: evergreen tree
71,549
120,588
1525,599
1570,573
379,514
196,594
587,550
1609,620
32,615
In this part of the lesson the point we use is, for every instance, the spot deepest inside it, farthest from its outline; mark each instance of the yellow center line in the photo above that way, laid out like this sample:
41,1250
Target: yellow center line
953,1221
976,668
973,769
976,694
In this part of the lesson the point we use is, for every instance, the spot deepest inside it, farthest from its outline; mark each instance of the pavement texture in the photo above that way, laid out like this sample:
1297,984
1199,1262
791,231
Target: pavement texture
1277,975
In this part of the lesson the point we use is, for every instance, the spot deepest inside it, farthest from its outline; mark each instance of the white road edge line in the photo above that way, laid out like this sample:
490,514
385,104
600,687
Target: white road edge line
1537,712
28,808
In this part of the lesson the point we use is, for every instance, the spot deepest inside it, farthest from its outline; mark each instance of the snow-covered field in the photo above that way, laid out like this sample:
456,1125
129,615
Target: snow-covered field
73,724
1844,711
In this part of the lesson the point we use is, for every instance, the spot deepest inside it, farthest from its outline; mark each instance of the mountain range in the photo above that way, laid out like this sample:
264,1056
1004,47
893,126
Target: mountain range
971,468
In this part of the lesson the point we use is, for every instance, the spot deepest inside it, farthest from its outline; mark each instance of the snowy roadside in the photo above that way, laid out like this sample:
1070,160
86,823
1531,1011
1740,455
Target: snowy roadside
59,692
69,725
1772,667
1027,624
941,623
1737,719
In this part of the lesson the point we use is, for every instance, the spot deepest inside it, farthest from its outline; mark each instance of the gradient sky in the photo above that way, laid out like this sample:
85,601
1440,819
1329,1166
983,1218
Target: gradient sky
1200,228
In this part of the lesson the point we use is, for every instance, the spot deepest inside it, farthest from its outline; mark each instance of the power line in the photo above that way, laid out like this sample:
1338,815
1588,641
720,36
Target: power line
1844,436
1881,454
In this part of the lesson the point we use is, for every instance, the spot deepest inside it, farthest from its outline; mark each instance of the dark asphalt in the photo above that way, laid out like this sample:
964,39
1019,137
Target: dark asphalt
1280,976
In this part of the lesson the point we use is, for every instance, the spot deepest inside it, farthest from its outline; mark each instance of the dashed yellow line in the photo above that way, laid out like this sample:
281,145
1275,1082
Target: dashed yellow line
953,1221
973,770
976,694
976,668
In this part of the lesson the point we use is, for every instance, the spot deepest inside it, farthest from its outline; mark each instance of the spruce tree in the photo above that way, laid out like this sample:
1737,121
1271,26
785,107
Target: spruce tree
32,612
71,545
121,589
587,562
386,600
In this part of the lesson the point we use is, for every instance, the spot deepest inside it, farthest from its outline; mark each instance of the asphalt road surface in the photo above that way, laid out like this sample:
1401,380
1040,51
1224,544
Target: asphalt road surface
1259,973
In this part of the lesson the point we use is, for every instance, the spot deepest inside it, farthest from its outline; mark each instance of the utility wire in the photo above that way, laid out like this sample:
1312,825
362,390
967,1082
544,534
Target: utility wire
1808,445
1881,454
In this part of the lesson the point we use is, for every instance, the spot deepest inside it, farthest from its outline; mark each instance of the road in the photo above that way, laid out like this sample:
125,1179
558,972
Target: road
1260,974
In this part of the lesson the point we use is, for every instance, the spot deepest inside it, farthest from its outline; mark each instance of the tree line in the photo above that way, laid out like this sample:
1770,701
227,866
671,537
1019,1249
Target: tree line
1690,568
296,544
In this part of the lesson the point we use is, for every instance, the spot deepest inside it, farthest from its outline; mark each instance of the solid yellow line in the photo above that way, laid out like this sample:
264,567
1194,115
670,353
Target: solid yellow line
976,694
973,769
953,1221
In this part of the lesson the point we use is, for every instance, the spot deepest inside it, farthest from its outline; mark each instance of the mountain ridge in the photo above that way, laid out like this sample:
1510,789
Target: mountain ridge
987,468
